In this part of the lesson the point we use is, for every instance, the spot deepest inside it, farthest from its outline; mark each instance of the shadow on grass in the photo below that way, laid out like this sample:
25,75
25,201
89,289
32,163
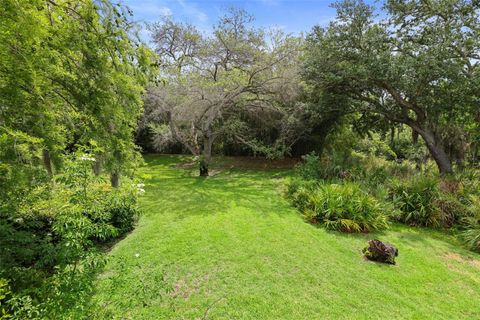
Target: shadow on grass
174,189
180,190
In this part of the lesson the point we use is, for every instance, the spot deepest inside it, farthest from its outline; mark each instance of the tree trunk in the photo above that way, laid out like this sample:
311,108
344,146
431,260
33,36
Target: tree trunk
115,179
97,167
392,137
47,161
203,169
437,150
414,136
206,156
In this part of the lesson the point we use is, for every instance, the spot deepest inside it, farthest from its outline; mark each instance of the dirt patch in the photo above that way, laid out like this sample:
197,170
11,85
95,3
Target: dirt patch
449,256
189,285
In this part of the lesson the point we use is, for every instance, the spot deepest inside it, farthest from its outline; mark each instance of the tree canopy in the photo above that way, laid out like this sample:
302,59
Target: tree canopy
71,73
418,66
213,82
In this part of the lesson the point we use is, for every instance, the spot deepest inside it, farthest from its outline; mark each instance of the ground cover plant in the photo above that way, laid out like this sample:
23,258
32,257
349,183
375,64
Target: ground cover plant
343,207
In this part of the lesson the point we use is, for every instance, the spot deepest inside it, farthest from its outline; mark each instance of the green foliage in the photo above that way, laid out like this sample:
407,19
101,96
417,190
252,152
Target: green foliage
122,207
401,69
471,233
343,207
50,236
71,81
5,294
234,228
311,168
367,169
298,192
415,198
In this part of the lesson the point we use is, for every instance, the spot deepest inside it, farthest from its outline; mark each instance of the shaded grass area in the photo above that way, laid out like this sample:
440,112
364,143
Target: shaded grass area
230,247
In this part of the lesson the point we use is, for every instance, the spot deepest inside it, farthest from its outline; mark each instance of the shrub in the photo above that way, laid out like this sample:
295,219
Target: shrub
416,200
298,192
311,167
426,201
472,237
49,234
471,234
5,293
123,209
342,207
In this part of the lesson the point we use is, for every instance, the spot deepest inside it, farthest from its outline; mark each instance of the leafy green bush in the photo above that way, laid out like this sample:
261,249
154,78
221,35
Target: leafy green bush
343,207
369,169
311,167
299,191
471,234
50,232
416,200
427,201
123,208
5,294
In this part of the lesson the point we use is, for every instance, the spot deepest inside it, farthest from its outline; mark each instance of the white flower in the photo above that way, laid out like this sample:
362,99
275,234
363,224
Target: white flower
85,157
137,255
140,190
140,185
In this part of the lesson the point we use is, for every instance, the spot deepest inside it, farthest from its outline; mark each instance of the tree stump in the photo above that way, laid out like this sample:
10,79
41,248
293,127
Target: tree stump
380,252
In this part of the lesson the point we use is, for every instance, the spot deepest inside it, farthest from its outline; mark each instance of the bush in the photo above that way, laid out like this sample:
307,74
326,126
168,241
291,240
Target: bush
471,234
311,167
342,207
299,191
5,294
472,237
416,200
123,209
427,201
49,235
369,169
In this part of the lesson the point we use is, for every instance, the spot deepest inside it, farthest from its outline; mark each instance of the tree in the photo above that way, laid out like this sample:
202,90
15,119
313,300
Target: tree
419,66
211,80
72,73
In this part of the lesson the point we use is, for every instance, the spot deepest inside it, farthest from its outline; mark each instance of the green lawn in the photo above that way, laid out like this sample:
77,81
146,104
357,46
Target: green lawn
230,247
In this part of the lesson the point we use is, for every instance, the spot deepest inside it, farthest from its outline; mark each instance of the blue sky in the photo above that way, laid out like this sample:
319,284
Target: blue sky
290,15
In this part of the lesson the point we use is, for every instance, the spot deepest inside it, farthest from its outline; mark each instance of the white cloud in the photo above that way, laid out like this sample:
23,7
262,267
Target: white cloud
148,10
193,11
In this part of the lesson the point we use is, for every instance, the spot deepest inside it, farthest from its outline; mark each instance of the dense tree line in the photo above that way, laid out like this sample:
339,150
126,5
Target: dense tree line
418,67
274,94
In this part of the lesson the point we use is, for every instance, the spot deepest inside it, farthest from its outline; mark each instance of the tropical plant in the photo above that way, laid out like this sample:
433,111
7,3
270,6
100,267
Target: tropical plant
416,200
342,207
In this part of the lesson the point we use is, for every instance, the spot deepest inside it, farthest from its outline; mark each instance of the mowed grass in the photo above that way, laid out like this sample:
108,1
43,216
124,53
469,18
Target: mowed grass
230,247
